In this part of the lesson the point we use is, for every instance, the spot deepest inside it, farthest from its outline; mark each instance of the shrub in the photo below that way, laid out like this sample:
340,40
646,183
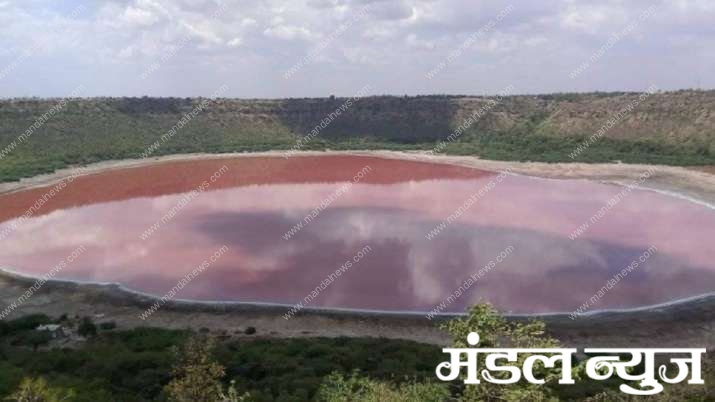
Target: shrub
87,328
337,388
37,338
106,326
197,377
28,322
37,390
496,332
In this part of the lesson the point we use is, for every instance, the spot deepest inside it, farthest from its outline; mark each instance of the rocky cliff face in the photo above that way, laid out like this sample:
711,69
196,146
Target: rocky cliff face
670,117
663,127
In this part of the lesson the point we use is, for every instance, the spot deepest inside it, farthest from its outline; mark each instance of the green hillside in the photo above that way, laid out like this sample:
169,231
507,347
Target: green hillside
675,128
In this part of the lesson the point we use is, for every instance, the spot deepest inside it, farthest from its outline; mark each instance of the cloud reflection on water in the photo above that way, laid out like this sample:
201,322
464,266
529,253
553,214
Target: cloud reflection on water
404,271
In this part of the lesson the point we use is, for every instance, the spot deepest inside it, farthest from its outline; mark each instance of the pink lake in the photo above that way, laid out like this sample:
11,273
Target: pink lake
546,271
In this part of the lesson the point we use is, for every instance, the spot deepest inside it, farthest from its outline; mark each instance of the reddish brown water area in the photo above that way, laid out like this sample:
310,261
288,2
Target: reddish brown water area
283,241
180,177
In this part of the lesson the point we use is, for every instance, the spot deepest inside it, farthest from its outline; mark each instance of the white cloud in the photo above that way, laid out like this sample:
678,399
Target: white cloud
249,22
235,42
127,52
138,16
288,32
393,44
415,42
593,18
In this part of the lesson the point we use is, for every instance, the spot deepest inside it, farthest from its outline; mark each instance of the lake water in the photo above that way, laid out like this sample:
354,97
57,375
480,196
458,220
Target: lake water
522,225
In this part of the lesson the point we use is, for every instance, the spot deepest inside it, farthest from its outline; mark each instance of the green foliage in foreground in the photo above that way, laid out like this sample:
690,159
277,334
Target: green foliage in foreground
180,366
136,365
37,390
338,388
197,377
496,332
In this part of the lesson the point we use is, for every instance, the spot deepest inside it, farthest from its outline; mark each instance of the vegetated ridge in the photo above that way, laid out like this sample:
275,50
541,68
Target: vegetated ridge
674,128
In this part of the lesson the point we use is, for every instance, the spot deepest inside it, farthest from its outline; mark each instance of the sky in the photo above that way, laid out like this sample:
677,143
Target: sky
49,48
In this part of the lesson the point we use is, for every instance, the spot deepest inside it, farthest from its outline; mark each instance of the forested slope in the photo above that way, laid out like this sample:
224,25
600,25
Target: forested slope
675,128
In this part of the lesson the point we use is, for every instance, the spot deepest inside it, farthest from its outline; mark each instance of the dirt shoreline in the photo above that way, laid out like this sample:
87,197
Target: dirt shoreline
689,324
617,173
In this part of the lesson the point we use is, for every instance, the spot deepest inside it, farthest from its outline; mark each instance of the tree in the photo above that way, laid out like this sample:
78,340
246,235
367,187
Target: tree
37,390
197,377
338,388
87,328
496,332
37,338
232,395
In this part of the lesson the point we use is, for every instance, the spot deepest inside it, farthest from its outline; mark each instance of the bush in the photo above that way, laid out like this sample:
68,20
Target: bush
37,338
338,388
106,326
37,390
250,331
196,376
87,328
26,323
